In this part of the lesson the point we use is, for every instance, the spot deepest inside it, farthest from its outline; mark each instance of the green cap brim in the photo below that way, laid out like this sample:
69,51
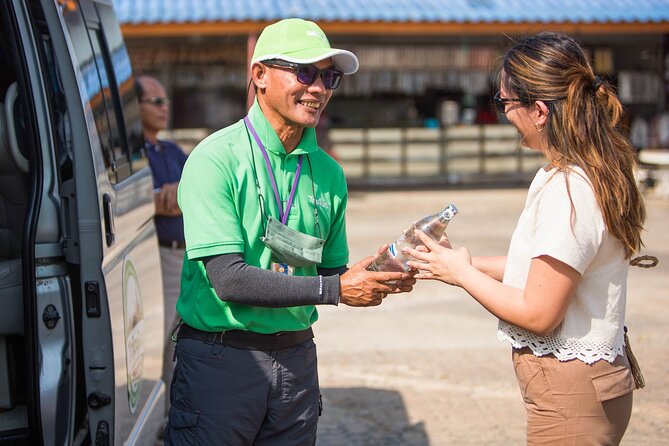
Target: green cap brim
343,60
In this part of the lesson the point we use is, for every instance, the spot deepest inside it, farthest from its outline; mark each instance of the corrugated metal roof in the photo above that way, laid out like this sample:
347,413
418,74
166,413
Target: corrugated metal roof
458,11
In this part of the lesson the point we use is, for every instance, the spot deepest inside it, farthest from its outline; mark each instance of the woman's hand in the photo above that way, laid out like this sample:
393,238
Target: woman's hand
437,261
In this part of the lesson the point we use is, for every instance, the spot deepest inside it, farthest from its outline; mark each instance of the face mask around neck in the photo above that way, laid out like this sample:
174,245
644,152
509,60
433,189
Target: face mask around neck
290,246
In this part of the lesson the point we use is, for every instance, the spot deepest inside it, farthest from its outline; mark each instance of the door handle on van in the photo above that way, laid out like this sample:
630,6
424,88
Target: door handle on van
109,219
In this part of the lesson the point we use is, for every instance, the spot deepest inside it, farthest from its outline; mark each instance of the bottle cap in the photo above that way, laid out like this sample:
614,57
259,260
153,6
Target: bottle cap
449,212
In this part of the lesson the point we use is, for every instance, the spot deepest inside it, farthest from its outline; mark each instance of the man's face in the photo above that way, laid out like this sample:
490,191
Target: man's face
287,102
154,116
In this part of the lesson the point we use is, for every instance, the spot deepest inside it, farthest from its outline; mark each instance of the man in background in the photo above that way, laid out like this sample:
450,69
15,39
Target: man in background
167,161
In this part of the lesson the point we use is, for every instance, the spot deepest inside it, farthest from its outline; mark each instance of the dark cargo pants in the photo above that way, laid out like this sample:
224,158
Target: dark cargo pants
222,395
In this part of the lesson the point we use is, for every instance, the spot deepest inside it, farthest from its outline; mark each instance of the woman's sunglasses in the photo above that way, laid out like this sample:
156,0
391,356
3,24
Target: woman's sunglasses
501,102
308,73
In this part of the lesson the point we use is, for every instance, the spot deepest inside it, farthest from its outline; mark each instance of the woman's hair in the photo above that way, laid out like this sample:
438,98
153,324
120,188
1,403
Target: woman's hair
582,127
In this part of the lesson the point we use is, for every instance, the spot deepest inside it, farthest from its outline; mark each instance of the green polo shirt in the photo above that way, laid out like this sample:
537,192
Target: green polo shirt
220,205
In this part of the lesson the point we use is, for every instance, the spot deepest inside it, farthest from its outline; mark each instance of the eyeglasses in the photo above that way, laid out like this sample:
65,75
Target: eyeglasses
500,102
308,73
156,100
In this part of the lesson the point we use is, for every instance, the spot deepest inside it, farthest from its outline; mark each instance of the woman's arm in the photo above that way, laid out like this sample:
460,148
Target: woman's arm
539,307
492,266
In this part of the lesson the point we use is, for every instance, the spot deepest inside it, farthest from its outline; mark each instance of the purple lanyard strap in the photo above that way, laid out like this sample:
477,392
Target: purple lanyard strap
289,204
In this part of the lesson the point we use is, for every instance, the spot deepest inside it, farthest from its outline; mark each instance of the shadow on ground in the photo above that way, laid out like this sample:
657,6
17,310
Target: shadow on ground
360,416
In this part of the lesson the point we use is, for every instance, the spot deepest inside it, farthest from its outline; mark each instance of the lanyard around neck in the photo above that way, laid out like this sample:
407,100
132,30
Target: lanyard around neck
283,215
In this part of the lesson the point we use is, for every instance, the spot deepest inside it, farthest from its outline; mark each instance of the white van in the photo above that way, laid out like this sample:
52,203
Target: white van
81,319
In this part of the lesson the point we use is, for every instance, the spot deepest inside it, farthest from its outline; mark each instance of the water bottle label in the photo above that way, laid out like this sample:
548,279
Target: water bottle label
392,249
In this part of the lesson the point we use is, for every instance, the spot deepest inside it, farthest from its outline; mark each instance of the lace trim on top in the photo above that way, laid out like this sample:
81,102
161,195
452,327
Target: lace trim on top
563,349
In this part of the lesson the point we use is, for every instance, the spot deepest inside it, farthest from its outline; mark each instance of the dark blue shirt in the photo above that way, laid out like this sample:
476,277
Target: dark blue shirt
167,161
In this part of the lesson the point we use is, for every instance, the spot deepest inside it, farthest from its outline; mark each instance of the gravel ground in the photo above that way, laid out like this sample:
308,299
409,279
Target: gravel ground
426,368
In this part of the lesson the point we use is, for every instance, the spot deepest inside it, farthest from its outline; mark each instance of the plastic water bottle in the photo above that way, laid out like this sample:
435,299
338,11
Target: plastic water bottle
433,225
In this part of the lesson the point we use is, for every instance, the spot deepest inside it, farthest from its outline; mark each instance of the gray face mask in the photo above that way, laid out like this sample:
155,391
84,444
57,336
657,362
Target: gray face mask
290,246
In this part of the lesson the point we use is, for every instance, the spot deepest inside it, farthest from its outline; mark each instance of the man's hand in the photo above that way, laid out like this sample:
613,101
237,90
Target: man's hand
362,288
166,200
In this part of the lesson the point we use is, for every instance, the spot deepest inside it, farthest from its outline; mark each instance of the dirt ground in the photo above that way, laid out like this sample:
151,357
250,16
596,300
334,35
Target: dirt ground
426,368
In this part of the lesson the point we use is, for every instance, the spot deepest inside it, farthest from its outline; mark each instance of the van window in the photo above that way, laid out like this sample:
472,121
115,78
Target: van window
107,76
125,84
120,162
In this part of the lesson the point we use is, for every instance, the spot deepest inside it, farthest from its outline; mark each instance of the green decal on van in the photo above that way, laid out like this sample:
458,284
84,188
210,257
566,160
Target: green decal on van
134,327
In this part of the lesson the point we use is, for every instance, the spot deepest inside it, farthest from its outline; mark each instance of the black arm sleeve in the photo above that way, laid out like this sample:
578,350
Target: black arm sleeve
236,281
332,271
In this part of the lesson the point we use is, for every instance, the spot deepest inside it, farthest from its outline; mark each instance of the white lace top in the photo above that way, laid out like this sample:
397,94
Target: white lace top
592,328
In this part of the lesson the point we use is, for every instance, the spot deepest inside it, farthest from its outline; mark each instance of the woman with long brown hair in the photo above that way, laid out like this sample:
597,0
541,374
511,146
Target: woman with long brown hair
560,292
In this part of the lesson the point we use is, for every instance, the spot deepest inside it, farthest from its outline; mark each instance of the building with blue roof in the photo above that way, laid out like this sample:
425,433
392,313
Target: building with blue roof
152,12
423,62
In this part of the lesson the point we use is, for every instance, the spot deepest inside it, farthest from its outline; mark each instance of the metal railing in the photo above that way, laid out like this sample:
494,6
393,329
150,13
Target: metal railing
473,155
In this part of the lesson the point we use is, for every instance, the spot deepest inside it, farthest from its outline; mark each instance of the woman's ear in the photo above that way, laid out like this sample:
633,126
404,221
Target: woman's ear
258,75
542,111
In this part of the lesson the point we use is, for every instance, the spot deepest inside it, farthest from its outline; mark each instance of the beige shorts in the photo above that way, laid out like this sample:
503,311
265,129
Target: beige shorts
573,403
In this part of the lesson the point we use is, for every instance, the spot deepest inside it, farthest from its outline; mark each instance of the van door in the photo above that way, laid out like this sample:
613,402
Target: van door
98,371
23,128
120,279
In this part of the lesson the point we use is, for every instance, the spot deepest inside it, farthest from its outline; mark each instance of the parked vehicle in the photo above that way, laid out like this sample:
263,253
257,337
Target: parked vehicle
81,314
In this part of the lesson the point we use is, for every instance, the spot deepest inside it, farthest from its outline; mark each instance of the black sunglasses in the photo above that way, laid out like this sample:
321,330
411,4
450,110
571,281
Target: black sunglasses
500,102
156,100
308,73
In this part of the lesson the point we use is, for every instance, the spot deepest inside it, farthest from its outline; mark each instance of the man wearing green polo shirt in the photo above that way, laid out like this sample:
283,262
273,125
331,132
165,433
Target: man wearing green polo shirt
264,218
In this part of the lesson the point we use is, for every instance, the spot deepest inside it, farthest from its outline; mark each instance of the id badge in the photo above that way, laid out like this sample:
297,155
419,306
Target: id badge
282,268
